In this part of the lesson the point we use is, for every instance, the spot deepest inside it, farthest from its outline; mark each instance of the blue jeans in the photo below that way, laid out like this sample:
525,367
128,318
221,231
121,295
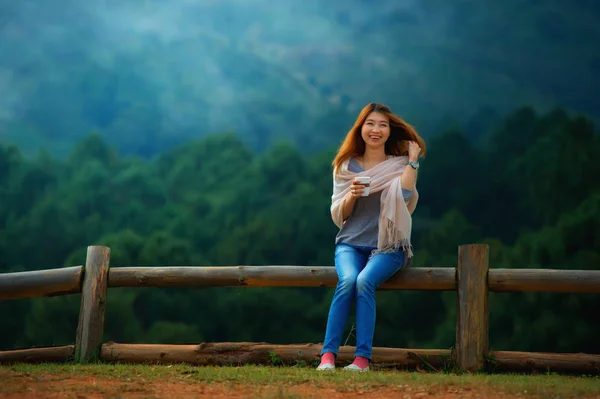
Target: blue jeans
358,278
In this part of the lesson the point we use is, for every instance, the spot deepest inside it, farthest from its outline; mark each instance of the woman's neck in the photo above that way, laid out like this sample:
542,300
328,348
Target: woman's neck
374,155
371,157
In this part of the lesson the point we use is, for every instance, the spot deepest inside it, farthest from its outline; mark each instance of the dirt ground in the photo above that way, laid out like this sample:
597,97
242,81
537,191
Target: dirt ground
23,385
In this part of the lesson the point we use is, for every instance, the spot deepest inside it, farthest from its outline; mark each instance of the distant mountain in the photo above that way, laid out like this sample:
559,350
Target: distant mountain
150,74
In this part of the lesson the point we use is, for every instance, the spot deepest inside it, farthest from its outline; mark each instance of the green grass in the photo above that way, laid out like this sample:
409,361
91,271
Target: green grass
286,378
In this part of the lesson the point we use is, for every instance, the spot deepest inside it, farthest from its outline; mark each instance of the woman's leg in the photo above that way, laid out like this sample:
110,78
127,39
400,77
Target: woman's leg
349,261
378,270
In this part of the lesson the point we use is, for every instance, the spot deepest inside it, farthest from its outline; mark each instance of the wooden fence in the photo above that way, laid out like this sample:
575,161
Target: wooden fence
472,279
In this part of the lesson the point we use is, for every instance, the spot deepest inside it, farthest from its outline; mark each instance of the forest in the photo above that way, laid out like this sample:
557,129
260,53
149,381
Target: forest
528,188
150,76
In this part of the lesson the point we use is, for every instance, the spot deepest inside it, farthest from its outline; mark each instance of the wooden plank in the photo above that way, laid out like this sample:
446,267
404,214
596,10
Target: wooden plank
543,362
37,355
414,278
93,303
242,353
227,353
41,283
544,280
472,324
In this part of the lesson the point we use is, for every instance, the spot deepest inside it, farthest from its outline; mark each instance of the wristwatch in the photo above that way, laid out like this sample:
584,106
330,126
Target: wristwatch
415,165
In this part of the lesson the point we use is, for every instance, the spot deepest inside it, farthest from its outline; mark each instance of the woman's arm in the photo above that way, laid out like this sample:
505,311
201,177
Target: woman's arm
412,204
408,179
356,191
409,176
348,206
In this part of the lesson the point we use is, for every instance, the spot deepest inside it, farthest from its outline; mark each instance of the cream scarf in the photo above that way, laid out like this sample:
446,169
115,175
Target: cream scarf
395,220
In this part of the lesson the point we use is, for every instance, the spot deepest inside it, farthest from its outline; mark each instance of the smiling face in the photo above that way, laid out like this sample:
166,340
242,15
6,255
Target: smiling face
376,130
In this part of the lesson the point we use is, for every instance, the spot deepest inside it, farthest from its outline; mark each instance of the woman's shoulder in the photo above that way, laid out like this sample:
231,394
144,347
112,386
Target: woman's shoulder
347,163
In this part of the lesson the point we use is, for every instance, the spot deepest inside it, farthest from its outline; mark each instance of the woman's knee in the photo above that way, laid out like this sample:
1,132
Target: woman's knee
347,284
364,283
378,270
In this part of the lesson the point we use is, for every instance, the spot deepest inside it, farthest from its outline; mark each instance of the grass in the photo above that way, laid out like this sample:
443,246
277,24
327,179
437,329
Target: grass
285,379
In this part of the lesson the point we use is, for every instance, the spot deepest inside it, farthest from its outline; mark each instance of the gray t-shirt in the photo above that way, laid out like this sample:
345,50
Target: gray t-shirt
362,226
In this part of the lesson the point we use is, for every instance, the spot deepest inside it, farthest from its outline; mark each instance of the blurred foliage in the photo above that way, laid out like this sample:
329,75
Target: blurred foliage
151,75
529,189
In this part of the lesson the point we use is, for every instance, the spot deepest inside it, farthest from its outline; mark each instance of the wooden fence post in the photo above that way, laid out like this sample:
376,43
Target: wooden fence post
93,304
472,324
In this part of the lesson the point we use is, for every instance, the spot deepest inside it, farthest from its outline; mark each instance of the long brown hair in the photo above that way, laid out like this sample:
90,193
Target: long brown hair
400,133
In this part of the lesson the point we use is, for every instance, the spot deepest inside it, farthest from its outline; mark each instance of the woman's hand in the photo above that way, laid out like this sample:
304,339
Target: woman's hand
414,149
356,189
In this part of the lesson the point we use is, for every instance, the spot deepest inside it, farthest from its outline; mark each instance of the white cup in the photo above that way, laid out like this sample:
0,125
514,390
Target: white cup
366,180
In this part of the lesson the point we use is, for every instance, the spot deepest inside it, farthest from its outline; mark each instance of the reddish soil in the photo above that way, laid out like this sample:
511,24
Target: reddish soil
22,385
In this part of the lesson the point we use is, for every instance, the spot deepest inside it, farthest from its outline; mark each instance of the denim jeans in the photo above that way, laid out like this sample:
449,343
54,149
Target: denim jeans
358,278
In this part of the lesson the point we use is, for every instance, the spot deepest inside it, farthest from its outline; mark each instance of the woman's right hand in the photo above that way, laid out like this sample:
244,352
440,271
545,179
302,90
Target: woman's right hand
356,189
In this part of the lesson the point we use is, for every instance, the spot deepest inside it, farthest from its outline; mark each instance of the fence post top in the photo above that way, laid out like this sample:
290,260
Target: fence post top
482,246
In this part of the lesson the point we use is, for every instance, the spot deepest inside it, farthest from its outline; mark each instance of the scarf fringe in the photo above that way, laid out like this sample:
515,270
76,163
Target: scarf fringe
397,242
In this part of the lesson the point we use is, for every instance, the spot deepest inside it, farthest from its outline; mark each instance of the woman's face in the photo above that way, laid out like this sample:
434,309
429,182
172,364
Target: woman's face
376,130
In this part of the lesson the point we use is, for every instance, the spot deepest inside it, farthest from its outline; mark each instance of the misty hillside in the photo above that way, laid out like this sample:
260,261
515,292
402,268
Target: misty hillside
151,74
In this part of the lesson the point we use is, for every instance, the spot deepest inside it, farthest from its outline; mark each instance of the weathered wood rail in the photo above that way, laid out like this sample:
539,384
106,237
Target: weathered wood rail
472,279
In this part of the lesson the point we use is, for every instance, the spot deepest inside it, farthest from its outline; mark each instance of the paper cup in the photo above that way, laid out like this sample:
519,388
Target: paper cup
366,180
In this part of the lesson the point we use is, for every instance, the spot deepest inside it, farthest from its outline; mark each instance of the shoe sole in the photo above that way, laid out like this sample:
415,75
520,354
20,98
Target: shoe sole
357,370
331,368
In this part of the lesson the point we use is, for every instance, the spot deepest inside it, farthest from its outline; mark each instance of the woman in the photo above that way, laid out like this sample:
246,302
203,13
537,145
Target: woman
373,242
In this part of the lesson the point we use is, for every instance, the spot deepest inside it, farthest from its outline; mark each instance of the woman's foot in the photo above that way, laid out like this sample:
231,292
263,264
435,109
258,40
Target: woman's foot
359,364
327,361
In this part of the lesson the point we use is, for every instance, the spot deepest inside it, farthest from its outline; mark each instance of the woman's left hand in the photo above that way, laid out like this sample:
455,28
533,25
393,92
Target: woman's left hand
414,149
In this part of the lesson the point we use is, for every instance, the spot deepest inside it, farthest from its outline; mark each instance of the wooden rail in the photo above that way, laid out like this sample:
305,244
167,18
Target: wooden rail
544,280
472,279
41,283
261,353
52,282
433,279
